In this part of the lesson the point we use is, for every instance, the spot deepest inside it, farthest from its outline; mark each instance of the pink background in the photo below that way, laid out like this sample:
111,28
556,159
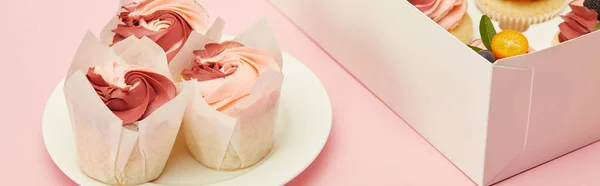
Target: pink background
369,144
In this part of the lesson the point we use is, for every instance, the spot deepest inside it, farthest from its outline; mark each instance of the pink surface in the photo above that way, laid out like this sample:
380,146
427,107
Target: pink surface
369,145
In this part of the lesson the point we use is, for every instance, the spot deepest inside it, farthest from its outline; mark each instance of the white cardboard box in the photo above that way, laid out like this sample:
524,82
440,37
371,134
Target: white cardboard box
491,120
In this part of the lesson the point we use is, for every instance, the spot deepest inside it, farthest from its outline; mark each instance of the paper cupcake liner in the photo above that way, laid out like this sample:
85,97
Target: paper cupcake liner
520,24
235,159
248,138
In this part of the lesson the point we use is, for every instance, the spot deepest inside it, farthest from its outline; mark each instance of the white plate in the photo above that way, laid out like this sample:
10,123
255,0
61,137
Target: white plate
300,134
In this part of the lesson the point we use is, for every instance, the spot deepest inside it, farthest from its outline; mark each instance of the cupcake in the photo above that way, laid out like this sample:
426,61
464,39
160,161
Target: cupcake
450,14
231,116
519,14
125,110
166,22
582,20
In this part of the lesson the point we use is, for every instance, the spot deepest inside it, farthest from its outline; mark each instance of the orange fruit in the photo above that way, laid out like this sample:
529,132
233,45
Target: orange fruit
509,43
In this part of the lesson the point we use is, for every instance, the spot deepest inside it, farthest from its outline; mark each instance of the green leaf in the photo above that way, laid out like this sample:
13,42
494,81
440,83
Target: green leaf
476,49
487,31
598,26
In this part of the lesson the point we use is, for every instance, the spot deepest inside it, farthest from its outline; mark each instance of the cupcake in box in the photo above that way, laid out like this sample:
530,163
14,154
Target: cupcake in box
125,110
230,119
450,14
167,22
519,14
582,20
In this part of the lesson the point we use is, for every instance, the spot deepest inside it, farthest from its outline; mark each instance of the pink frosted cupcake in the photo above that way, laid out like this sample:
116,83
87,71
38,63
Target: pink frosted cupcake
580,21
132,94
450,14
125,110
227,75
167,22
231,115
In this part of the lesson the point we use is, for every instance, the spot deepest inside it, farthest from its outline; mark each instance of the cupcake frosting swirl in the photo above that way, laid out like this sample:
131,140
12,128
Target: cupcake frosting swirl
226,72
166,22
130,92
578,22
447,13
